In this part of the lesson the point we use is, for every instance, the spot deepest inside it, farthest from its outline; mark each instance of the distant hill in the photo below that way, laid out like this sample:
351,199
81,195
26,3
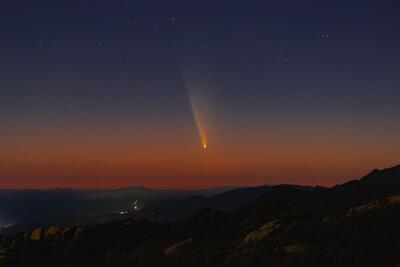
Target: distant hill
176,208
42,206
353,224
387,177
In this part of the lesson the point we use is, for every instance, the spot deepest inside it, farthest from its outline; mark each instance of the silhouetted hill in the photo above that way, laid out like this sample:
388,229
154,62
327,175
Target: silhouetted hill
175,209
354,224
375,185
386,177
389,177
69,205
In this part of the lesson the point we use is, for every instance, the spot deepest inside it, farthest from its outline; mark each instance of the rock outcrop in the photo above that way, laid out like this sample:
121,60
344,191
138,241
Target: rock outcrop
36,234
371,206
260,233
78,233
53,232
175,248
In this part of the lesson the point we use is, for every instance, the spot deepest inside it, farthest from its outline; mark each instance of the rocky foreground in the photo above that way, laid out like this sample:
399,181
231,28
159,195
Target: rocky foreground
354,224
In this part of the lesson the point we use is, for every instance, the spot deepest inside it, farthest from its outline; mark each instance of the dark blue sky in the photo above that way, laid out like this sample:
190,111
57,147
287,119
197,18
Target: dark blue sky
281,87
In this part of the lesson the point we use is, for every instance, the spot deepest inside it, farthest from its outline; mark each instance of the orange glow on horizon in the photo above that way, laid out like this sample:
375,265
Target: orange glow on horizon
170,157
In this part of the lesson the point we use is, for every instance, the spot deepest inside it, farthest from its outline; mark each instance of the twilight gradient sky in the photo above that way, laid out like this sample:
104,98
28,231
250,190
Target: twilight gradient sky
104,94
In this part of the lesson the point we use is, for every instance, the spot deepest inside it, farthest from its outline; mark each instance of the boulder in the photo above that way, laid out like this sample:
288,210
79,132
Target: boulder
27,235
52,232
260,233
67,232
78,233
36,233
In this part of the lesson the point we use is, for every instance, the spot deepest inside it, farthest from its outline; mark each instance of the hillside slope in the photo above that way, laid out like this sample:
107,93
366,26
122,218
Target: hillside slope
354,224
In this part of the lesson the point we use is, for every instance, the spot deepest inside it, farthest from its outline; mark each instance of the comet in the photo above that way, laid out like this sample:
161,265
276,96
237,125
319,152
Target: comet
199,121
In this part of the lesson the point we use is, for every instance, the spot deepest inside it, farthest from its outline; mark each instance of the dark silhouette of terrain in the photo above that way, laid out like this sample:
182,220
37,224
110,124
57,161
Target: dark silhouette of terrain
62,205
353,224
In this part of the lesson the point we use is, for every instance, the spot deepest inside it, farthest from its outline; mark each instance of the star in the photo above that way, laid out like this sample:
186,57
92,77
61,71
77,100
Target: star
323,36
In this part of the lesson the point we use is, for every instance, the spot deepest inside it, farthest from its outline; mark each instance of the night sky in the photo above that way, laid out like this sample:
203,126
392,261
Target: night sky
106,94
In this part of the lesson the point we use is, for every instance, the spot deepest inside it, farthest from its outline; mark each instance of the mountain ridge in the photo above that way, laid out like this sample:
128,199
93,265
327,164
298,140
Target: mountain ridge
286,225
